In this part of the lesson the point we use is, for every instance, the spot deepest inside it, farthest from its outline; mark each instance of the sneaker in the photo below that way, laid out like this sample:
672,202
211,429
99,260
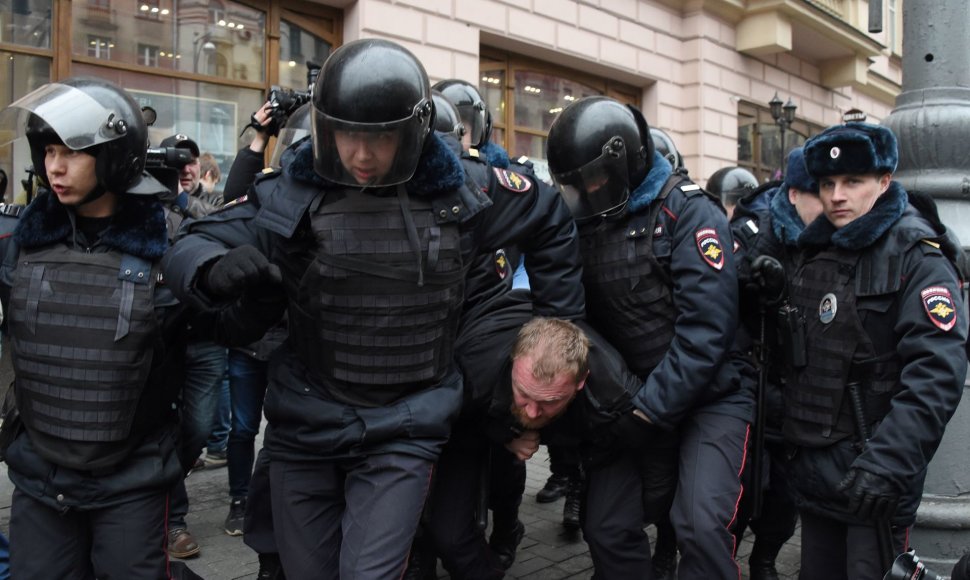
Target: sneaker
181,544
570,509
505,543
554,488
215,459
270,567
236,517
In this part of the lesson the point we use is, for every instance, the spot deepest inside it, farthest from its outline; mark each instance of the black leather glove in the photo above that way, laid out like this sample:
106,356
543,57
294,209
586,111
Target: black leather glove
871,497
240,270
769,274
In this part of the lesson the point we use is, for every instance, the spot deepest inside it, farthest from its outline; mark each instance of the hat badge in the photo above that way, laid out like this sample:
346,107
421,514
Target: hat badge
182,137
835,152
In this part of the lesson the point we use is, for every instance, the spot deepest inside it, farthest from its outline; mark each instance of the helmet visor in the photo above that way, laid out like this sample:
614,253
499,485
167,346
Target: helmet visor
79,120
598,187
369,154
473,117
287,137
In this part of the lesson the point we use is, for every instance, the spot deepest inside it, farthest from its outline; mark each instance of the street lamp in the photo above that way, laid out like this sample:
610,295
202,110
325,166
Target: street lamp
202,43
784,116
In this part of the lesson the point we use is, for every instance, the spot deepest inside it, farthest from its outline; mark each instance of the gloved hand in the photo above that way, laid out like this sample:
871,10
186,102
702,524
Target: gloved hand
240,270
871,496
769,274
630,431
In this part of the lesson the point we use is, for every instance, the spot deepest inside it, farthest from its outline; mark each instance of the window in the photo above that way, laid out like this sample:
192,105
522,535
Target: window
27,23
19,74
895,43
297,47
760,148
103,5
524,109
147,55
100,47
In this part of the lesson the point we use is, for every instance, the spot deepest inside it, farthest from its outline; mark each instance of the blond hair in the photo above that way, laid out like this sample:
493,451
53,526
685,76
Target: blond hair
556,346
208,165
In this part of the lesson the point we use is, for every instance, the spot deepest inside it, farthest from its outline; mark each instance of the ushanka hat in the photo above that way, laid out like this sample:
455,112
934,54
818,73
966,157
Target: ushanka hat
796,174
852,149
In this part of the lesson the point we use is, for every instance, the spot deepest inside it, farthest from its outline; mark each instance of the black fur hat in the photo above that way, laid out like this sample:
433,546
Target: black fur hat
797,174
852,149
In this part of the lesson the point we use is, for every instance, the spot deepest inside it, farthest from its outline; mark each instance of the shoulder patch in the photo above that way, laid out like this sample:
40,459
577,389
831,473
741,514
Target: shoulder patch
939,307
709,246
931,243
501,264
512,181
238,201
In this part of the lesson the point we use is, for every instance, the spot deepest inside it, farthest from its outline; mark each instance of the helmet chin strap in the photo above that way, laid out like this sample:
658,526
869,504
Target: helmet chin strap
93,195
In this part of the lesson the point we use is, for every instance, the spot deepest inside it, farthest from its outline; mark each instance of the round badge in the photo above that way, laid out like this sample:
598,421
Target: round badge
835,152
827,308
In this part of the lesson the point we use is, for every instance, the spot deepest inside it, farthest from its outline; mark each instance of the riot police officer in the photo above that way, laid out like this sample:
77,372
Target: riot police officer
93,454
645,231
364,234
885,362
731,184
767,223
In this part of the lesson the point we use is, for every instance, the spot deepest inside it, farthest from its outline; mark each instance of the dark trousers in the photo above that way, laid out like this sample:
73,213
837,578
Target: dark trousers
258,526
833,550
122,542
712,453
452,527
776,524
247,384
348,519
506,484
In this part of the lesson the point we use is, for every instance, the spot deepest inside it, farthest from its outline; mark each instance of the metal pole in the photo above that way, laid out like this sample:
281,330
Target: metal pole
932,121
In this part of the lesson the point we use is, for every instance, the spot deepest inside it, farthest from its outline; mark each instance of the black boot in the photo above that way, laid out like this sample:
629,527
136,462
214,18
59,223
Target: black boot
570,509
270,567
762,561
505,543
554,488
665,552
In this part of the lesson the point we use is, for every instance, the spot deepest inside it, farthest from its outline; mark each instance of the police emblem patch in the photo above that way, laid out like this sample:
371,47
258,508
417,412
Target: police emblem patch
939,307
512,181
501,264
710,248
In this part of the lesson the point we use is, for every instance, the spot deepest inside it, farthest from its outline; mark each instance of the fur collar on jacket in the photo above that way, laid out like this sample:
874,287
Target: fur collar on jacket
786,224
646,192
137,227
864,230
438,171
495,155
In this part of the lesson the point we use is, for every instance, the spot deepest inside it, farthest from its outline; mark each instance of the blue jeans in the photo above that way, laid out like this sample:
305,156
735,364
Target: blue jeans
247,385
219,438
205,364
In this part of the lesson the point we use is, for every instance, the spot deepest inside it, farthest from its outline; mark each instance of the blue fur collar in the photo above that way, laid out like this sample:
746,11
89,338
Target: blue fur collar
786,224
439,169
137,227
863,231
648,191
495,155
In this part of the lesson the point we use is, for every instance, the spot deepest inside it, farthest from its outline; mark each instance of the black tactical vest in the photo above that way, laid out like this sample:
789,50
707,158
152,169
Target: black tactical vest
369,318
627,281
82,329
839,351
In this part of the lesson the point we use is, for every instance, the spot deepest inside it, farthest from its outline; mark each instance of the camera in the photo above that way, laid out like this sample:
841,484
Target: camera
172,157
285,101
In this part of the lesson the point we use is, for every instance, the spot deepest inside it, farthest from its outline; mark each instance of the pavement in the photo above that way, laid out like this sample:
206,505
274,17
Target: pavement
547,552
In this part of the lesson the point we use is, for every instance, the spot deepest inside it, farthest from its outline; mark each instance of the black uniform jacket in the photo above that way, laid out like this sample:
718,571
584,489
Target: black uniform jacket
515,214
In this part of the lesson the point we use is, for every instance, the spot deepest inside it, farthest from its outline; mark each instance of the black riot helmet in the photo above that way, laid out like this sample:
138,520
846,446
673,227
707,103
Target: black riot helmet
472,108
371,94
447,119
731,184
664,145
297,127
90,115
598,151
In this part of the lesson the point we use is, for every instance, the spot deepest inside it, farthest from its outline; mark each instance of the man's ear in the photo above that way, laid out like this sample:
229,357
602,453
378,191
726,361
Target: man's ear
582,382
884,180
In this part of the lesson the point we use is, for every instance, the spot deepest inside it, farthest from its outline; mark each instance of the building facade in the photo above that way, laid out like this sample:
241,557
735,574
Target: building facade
703,70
